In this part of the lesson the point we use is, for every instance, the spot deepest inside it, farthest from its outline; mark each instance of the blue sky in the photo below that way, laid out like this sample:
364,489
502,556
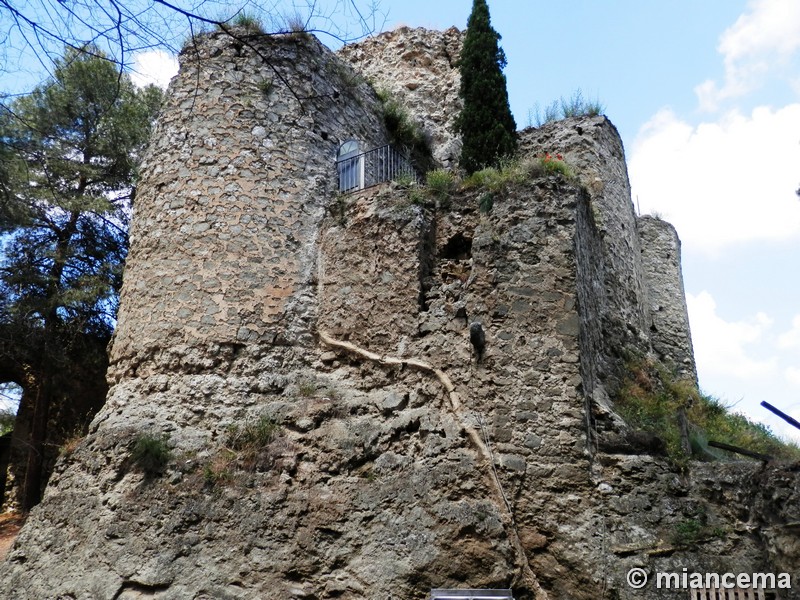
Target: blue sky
706,96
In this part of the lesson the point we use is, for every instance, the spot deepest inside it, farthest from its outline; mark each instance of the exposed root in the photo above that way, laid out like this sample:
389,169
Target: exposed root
526,577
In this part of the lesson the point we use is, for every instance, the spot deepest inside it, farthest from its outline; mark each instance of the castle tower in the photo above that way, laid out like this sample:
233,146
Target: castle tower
305,358
239,175
669,332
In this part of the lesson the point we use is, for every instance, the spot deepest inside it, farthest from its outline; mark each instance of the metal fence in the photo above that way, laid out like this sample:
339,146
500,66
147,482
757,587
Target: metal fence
727,594
373,167
442,594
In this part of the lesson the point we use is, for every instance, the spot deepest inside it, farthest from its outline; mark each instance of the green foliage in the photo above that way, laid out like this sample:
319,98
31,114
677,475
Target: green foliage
517,171
694,529
71,150
219,470
7,420
306,388
441,183
536,118
688,532
507,171
76,140
247,449
417,197
564,108
651,398
9,401
339,208
489,178
248,22
486,202
295,23
718,423
577,106
151,453
405,181
554,165
404,132
265,86
486,125
253,434
249,444
348,76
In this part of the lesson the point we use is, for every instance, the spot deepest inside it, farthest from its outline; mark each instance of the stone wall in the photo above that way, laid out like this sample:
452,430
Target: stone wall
372,487
669,332
368,296
238,176
418,68
640,305
611,285
399,463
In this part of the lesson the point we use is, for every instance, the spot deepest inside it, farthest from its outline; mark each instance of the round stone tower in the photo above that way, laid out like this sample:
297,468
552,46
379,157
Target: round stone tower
233,189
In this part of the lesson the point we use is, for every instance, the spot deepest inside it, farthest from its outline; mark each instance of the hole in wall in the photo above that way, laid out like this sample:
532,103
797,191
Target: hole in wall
458,247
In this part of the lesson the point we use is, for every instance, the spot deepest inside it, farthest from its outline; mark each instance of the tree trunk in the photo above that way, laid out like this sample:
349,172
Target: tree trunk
34,470
32,488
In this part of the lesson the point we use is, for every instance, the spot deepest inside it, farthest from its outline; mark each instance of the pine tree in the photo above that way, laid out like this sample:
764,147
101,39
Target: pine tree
486,125
70,151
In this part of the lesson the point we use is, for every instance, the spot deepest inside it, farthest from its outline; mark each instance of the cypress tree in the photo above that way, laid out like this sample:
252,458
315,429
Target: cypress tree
486,125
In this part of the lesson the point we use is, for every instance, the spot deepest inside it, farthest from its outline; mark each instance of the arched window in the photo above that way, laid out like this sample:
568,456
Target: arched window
350,164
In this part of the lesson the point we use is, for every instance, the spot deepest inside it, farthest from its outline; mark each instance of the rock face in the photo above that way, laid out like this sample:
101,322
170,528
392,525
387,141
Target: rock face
418,68
306,357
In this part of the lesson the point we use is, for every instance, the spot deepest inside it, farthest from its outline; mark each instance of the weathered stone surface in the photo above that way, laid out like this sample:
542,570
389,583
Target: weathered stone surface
223,243
661,258
592,147
379,481
418,67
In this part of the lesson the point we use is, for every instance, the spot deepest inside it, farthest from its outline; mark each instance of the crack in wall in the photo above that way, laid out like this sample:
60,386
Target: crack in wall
526,573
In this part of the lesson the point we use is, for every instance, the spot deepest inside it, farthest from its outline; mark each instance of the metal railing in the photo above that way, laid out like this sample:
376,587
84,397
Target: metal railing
373,167
442,594
727,594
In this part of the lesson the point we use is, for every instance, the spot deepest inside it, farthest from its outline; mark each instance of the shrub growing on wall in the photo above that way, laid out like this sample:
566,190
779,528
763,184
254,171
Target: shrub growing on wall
486,125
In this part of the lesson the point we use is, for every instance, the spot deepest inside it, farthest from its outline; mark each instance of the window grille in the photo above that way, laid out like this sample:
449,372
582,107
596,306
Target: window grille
359,171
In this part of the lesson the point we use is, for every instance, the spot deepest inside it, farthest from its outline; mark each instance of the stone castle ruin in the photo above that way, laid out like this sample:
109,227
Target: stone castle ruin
256,292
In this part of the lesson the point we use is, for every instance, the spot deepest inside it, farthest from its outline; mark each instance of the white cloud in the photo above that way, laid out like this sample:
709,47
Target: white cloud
792,375
721,183
721,347
154,67
762,39
791,339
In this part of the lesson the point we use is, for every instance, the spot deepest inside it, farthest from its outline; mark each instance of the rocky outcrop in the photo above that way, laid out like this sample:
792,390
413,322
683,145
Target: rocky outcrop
305,356
418,68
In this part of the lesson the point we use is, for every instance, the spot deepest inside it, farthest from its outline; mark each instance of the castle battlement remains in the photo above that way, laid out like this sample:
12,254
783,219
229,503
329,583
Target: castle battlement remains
390,461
